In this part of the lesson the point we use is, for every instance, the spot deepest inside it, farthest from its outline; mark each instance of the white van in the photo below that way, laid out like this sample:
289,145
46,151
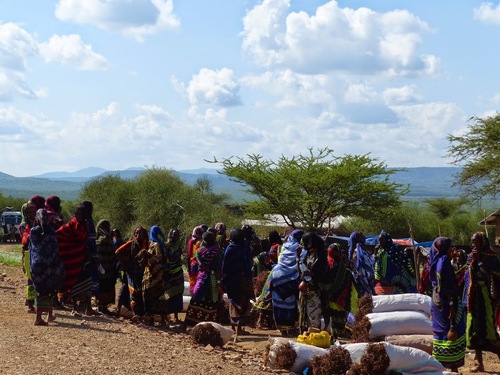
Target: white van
10,221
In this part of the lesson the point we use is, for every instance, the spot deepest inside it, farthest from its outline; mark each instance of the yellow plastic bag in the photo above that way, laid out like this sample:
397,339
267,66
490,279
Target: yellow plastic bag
320,339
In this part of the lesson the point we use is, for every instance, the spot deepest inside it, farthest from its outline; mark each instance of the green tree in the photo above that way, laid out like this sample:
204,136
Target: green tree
478,153
459,225
155,197
113,199
307,190
444,207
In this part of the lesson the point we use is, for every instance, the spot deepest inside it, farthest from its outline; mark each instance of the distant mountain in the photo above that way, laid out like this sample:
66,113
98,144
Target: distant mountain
82,173
424,182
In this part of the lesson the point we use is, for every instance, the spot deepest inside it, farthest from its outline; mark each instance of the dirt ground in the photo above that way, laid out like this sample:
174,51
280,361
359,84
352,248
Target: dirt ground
106,345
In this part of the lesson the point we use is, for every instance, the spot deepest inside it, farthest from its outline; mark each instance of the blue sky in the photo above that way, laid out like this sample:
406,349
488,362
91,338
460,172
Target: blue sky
139,83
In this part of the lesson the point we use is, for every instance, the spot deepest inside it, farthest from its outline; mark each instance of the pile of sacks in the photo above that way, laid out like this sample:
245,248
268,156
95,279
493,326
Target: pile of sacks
360,358
391,334
401,319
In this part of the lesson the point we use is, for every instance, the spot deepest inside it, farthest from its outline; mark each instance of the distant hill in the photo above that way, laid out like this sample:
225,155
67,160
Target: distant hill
424,182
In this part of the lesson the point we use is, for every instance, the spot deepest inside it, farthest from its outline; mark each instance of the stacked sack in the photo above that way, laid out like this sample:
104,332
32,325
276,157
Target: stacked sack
353,358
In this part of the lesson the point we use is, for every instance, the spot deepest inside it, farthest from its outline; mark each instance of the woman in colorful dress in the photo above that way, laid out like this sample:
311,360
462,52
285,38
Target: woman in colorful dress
313,268
192,247
46,267
237,280
342,294
107,257
28,211
153,283
448,319
132,256
72,240
174,275
207,291
361,261
393,269
482,298
283,286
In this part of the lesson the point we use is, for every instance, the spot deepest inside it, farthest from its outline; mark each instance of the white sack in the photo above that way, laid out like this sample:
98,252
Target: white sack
402,302
399,323
304,353
225,332
403,359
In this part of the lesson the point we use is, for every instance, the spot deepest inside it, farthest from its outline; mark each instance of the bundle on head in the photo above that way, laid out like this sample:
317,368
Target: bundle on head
285,357
375,361
336,362
206,334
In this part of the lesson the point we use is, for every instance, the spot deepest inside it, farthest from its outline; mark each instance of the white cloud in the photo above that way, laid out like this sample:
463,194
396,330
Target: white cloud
360,41
295,90
487,13
213,88
13,84
70,50
16,47
134,18
401,95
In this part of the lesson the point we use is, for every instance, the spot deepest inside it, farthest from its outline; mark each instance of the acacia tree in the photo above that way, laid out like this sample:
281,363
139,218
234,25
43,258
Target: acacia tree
478,153
307,190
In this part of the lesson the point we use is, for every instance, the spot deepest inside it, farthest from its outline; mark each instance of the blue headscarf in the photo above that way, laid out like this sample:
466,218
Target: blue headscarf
439,248
156,235
351,245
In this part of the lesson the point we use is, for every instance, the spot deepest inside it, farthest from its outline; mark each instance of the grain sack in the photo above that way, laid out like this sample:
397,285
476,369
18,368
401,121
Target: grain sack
399,323
422,342
225,332
403,359
402,302
303,352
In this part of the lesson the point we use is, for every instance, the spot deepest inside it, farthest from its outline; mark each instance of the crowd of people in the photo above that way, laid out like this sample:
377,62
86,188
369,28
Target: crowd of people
291,284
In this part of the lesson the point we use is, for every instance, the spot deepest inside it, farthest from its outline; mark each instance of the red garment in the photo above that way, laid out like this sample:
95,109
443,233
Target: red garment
72,241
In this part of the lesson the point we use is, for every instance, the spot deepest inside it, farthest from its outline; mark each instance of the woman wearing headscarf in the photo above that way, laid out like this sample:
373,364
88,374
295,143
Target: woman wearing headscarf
275,243
28,212
92,246
174,274
107,257
448,323
192,247
237,279
46,266
54,211
72,239
393,269
482,298
123,298
132,256
363,261
153,283
264,303
221,236
206,294
342,294
313,268
283,286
